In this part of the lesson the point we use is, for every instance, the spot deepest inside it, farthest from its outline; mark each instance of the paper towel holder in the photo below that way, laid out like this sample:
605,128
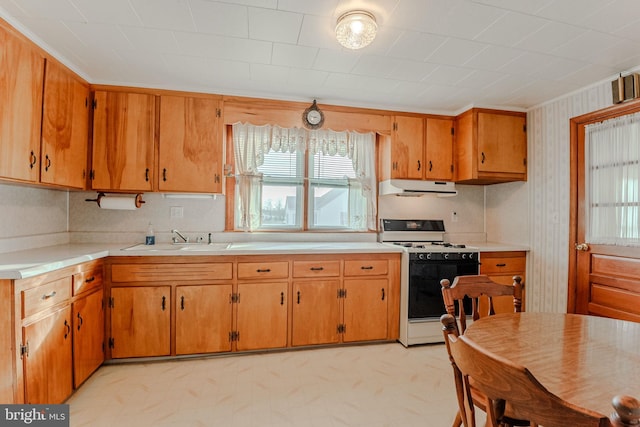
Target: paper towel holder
138,199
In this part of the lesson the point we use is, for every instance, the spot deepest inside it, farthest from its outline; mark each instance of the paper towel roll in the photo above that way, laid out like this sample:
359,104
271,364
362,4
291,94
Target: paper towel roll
120,202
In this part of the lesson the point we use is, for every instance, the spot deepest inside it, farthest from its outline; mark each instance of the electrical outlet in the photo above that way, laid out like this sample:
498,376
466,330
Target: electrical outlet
454,216
177,212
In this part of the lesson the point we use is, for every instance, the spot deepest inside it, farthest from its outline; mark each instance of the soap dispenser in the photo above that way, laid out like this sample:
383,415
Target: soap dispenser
151,237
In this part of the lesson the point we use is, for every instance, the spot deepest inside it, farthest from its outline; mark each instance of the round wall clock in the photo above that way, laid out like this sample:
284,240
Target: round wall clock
313,118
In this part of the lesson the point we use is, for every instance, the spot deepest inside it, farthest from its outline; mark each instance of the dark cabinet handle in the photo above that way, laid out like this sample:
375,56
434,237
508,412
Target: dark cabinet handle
33,160
316,268
80,321
282,298
164,174
419,165
501,265
298,297
366,267
146,174
66,325
49,295
164,303
266,270
382,294
47,163
90,279
182,302
482,157
430,166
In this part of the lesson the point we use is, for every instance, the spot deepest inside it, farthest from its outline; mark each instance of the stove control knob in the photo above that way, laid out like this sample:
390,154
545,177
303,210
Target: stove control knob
464,256
471,255
446,256
427,256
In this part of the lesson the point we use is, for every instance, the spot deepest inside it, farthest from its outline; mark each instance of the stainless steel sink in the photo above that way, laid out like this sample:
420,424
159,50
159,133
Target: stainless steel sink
153,248
189,247
202,247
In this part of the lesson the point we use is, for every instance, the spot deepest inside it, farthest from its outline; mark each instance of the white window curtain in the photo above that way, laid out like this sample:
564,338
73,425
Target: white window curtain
612,166
252,142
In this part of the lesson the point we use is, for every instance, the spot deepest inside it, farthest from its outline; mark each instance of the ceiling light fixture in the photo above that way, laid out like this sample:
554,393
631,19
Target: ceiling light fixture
356,29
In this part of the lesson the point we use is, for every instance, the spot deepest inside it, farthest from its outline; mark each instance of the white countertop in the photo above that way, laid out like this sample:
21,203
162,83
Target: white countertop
29,263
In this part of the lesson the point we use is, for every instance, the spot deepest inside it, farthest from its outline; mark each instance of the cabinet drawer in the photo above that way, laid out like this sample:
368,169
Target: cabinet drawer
316,268
171,272
45,296
365,267
87,280
502,264
263,270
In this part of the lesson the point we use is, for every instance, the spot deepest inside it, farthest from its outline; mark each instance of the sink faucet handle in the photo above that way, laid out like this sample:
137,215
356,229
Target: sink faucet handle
210,241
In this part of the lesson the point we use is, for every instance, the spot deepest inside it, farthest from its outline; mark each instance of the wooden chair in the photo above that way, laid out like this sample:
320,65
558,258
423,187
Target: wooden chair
504,383
476,287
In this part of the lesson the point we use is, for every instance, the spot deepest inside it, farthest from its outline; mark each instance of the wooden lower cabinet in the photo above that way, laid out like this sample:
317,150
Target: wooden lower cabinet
140,321
262,315
48,360
315,312
365,309
88,335
501,267
203,318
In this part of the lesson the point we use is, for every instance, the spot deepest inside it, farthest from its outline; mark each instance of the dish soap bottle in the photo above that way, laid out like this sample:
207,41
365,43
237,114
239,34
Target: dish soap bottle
151,238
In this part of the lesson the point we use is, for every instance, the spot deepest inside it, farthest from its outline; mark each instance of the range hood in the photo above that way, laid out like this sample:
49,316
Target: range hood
416,187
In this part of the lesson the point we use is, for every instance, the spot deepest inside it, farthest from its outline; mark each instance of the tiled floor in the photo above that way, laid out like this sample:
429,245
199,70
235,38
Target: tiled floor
368,385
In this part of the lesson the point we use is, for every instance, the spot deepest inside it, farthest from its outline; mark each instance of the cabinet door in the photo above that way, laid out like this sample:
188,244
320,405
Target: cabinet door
47,366
140,321
365,309
203,318
502,143
21,80
407,155
439,149
88,336
123,141
65,124
262,315
190,147
315,313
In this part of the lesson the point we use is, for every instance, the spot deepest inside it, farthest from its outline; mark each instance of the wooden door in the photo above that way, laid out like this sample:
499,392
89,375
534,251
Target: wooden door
203,318
88,336
439,149
21,80
502,143
315,312
140,321
190,146
123,141
65,126
604,280
365,309
407,148
48,371
262,315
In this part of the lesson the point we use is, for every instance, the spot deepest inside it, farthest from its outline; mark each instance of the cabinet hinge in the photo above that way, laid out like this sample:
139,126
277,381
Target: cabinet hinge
92,174
24,350
234,336
218,112
94,104
453,131
451,168
395,126
234,298
111,304
342,328
111,342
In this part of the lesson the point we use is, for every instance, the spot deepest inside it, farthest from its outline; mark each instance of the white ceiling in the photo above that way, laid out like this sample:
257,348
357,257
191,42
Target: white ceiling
429,55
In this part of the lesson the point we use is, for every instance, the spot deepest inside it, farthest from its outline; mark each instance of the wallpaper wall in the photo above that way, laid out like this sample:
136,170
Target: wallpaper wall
548,193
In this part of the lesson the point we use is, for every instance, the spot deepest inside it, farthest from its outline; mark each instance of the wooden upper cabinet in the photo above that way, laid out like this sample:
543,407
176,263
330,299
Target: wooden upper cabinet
491,147
439,149
190,146
123,141
407,145
65,123
21,80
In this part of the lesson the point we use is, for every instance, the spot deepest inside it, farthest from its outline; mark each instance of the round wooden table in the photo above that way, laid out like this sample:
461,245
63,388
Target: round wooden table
584,360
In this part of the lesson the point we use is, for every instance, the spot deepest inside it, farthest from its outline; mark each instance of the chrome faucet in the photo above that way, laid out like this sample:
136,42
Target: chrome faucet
175,239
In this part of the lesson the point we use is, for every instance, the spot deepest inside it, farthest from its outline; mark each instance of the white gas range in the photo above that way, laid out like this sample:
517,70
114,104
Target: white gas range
427,259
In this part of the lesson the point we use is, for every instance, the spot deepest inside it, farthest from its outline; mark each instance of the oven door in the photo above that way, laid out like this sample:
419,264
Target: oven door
425,295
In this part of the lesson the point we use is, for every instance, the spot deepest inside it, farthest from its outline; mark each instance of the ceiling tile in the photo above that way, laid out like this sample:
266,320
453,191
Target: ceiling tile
550,36
493,58
412,71
167,14
618,14
586,45
104,36
274,74
149,39
224,48
335,60
416,46
309,7
447,75
511,28
373,65
481,78
310,78
293,55
456,51
572,12
317,32
220,18
273,25
50,9
523,6
108,12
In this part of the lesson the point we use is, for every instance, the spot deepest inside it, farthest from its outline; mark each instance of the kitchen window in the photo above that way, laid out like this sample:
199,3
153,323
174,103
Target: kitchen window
612,159
294,179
